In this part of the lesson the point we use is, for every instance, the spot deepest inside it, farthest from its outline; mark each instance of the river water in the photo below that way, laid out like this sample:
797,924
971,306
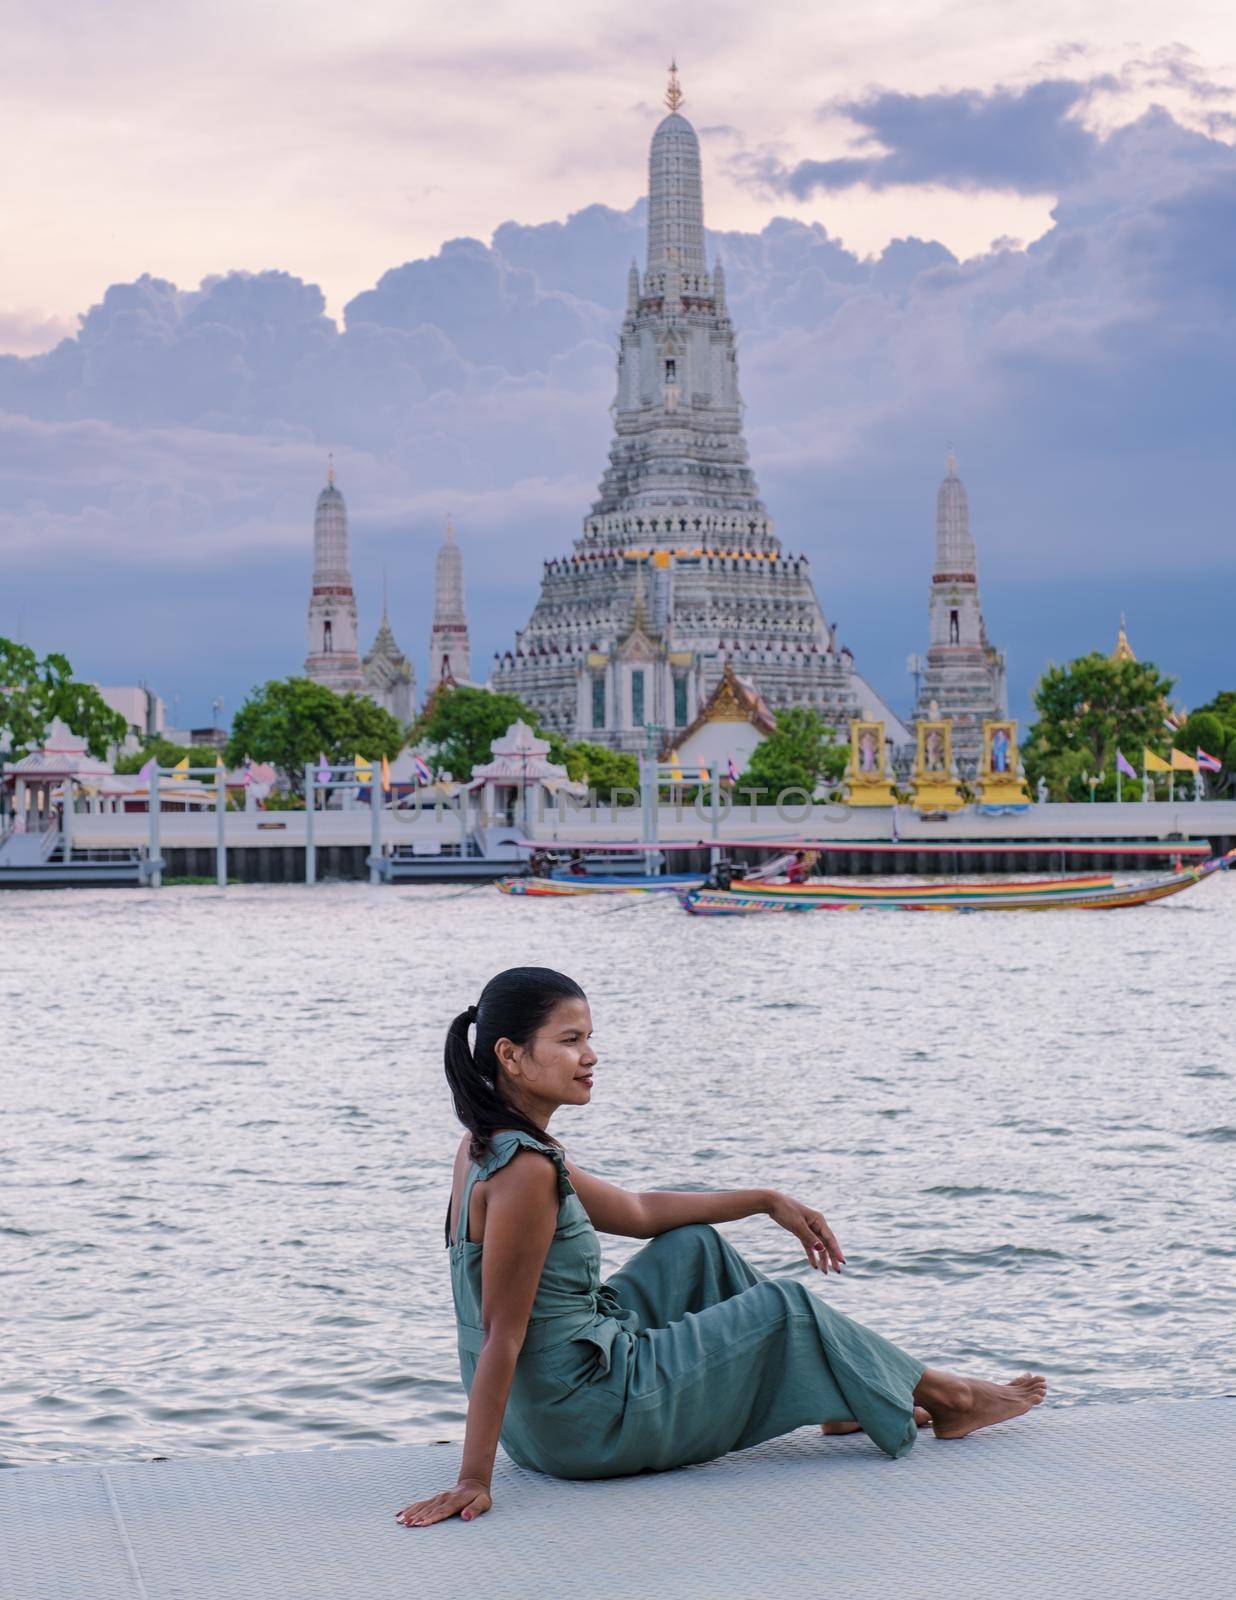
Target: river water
227,1140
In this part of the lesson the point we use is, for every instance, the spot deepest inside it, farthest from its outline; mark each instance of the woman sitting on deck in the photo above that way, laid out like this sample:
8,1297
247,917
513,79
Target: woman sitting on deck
687,1351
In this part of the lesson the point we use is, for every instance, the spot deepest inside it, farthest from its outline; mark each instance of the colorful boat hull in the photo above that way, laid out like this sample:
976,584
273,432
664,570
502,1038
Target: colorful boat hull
765,901
557,888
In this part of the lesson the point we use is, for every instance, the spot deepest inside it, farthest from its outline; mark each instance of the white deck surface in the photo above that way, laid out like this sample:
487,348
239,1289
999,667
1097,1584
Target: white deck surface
1126,1502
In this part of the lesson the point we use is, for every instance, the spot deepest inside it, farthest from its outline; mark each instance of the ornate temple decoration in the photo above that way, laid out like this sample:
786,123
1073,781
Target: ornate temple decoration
678,528
868,777
332,659
964,676
390,680
1123,650
729,725
1002,779
934,779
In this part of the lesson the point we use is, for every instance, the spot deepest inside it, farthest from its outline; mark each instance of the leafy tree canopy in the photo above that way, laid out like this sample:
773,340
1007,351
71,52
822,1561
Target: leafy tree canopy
167,755
1212,728
289,722
460,725
1087,710
34,693
801,753
605,771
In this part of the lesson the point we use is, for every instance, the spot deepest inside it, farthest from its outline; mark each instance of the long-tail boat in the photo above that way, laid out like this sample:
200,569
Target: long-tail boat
1045,895
556,888
681,883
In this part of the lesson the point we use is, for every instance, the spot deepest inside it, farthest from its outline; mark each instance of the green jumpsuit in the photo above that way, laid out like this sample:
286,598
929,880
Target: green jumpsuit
685,1353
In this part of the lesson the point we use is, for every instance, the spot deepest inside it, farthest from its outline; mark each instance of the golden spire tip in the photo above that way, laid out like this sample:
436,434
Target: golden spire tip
673,94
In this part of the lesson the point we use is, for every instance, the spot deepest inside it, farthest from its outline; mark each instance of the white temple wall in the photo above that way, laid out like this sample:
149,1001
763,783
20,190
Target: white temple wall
716,742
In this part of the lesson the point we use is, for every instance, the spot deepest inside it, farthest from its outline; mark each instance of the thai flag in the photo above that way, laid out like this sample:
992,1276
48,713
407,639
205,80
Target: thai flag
421,770
1209,763
1171,721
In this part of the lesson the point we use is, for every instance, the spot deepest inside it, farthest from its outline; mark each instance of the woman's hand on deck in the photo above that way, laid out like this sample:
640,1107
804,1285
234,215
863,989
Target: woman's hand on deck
468,1499
810,1228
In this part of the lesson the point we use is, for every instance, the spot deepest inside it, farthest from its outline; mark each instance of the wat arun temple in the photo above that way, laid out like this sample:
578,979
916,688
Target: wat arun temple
677,604
678,571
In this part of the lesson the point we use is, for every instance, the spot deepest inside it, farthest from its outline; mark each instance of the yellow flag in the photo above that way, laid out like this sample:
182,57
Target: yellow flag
364,769
218,761
675,769
1154,763
704,777
386,774
180,771
1182,762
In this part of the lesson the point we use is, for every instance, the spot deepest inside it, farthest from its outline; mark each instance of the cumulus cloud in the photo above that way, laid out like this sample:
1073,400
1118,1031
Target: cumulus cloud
167,456
27,332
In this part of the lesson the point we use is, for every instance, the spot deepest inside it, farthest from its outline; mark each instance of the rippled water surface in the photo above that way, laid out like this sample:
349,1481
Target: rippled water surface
227,1141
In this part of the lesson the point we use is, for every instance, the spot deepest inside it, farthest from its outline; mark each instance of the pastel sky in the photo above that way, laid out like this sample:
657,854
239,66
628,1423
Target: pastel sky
1004,228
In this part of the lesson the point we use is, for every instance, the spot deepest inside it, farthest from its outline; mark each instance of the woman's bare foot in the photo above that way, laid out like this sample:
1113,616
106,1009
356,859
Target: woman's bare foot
831,1429
960,1406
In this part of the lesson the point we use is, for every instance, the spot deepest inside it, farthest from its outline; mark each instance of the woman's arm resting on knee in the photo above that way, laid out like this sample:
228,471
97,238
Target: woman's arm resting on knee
643,1215
651,1211
521,1214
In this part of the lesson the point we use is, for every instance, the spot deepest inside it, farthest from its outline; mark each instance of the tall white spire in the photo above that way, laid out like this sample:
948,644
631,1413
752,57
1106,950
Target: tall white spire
449,655
964,676
332,659
954,545
675,192
678,461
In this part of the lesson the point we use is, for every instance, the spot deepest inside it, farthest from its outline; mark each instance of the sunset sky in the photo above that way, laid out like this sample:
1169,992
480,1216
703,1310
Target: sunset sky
1073,337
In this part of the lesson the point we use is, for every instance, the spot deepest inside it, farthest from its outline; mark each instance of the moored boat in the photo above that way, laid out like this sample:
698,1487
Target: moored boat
757,900
557,888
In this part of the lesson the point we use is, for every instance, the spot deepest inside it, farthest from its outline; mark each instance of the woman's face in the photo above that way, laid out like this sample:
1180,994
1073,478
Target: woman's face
555,1067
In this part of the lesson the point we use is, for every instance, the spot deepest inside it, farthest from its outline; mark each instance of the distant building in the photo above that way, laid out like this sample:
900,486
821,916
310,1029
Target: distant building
677,569
332,659
449,651
390,679
143,711
963,678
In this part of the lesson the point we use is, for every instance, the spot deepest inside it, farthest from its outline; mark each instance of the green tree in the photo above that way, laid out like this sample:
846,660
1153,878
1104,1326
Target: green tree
34,693
460,726
167,755
801,753
1087,710
605,771
374,733
289,722
1212,728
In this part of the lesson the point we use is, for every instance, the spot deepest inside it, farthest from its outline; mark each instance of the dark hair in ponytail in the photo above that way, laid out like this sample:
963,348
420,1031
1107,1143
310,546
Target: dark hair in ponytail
513,1005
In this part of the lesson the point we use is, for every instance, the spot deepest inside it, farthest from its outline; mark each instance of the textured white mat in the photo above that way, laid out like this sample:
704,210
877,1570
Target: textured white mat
1127,1501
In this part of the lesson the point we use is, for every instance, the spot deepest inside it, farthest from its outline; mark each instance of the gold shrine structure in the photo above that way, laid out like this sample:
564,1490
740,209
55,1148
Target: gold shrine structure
935,786
1000,779
868,780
